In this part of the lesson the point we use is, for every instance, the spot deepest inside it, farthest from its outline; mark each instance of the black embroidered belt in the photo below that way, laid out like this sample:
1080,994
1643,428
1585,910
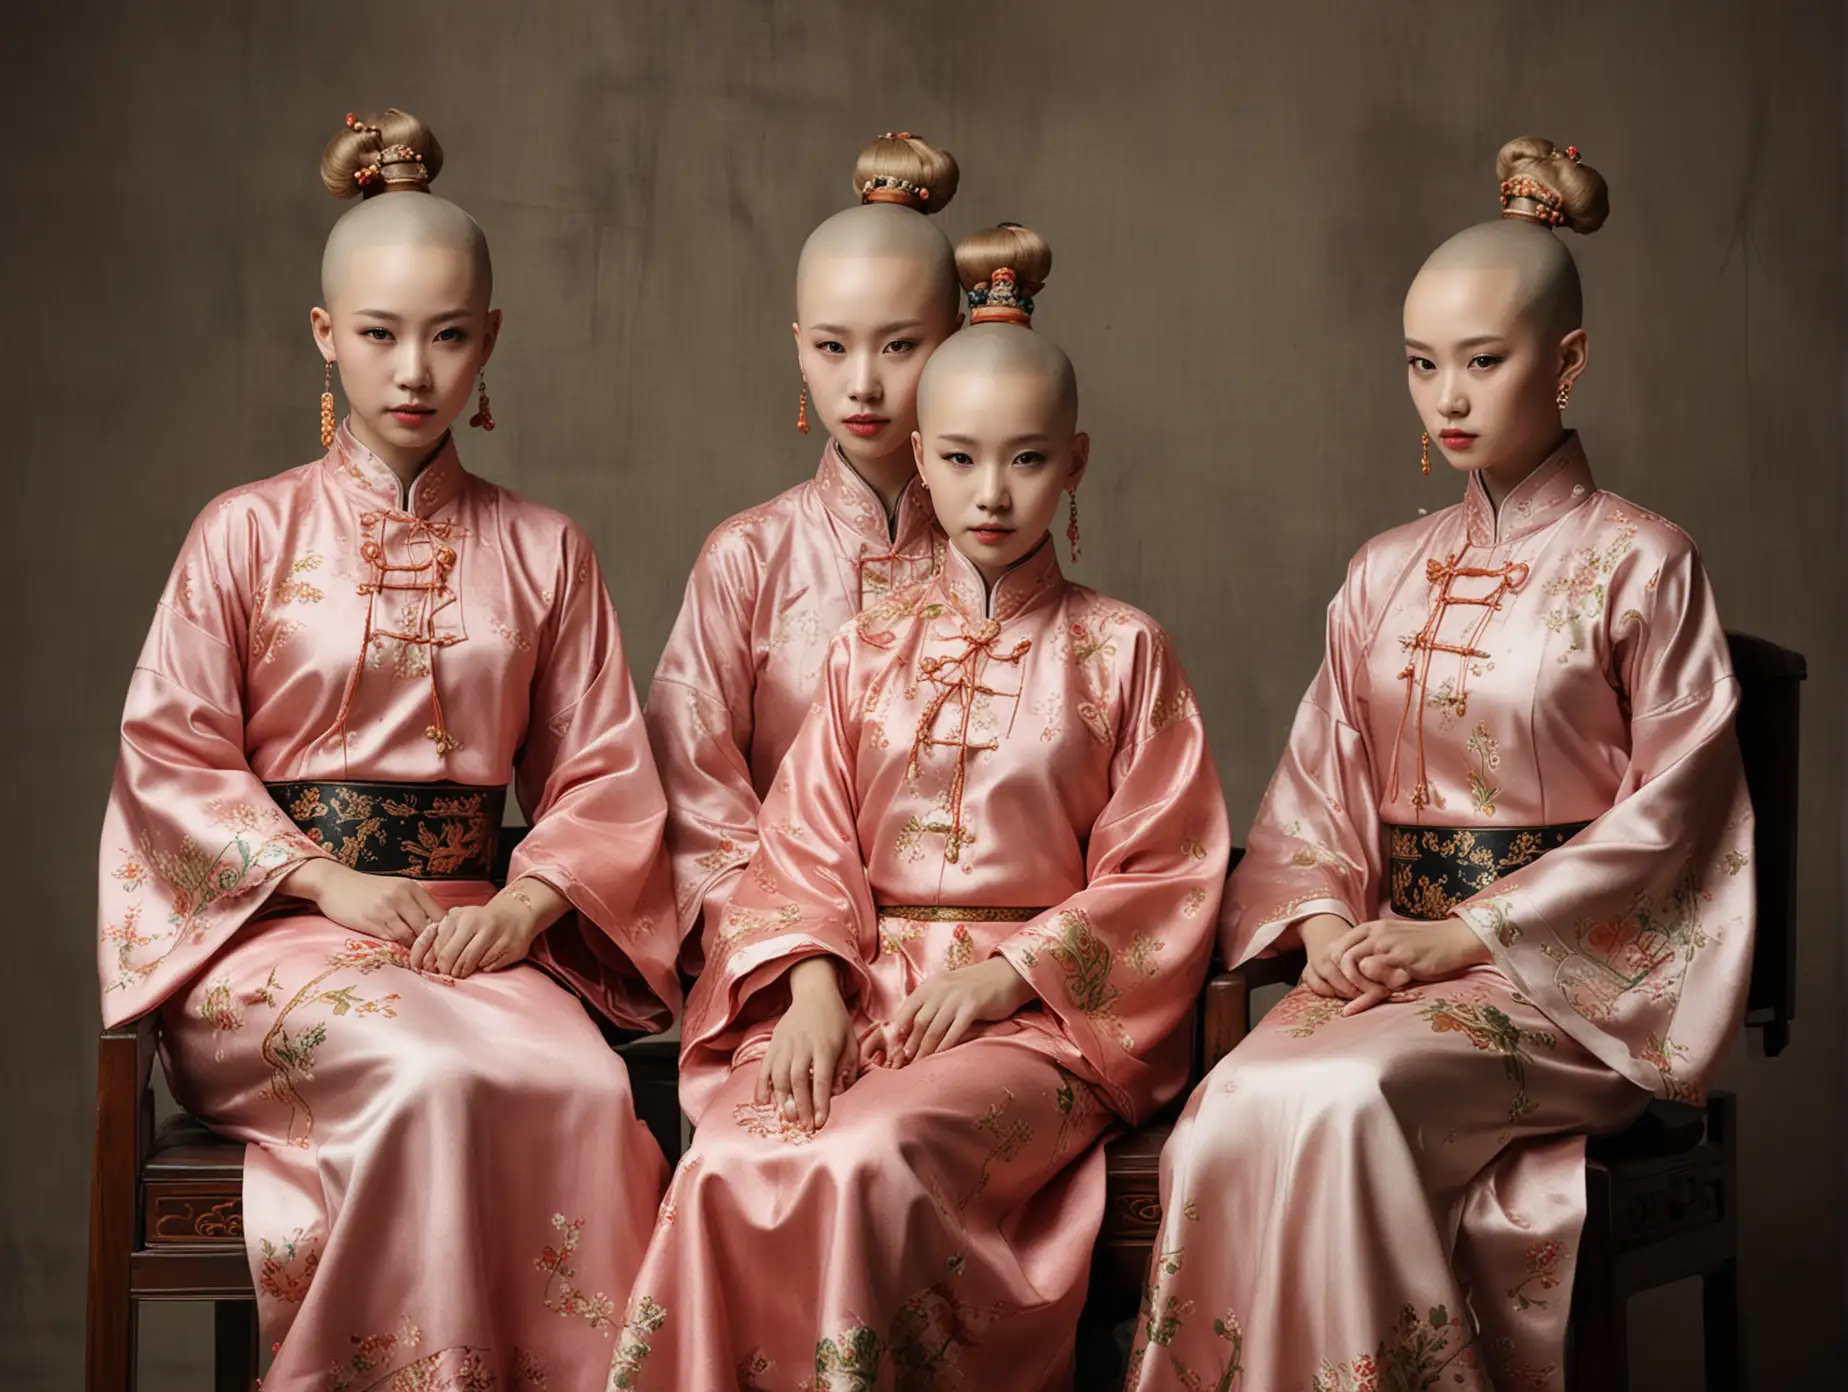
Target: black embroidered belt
1433,869
950,913
427,831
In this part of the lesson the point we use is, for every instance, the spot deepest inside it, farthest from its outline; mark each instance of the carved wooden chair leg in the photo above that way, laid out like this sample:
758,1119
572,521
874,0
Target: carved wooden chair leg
1598,1356
121,1066
235,1345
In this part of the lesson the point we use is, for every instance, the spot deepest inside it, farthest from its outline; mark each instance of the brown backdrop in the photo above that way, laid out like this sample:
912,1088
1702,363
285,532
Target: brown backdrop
1237,193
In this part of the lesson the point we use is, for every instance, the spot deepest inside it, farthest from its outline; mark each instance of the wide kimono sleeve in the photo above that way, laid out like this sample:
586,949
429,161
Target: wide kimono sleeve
1314,846
193,845
700,721
1635,937
805,893
587,782
1119,965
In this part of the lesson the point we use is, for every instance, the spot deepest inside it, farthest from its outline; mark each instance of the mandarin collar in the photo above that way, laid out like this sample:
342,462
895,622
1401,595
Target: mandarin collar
857,506
1561,484
1032,578
360,471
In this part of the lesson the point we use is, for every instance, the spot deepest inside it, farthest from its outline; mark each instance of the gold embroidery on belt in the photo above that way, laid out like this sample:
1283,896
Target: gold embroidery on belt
950,913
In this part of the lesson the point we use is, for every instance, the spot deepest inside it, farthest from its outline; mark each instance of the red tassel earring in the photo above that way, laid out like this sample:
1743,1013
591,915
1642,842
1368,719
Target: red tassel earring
1424,452
1071,528
802,408
483,419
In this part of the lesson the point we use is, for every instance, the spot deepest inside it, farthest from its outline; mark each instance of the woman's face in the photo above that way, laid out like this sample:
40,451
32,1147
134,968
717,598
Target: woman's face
865,326
996,450
408,330
1483,374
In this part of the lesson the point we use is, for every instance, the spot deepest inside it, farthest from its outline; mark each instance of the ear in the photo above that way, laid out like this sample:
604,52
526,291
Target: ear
490,335
917,455
1574,354
321,324
1081,460
795,332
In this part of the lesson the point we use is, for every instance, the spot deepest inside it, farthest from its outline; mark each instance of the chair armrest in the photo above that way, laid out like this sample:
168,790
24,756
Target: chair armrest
1226,1018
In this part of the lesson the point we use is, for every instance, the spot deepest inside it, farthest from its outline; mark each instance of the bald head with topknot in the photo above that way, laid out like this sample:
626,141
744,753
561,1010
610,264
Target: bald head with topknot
404,219
884,231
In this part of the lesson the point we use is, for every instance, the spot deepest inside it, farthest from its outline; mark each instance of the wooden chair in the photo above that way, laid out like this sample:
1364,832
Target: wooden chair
167,1203
1661,1195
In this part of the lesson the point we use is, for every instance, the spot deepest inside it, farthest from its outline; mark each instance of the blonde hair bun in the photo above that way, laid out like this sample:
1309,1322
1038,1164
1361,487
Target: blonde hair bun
1546,184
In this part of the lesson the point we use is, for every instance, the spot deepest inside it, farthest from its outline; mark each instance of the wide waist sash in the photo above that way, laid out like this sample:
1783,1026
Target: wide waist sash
1433,869
950,913
427,831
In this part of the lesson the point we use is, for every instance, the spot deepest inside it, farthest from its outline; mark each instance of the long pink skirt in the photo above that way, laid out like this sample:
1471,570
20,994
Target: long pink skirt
1387,1201
445,1184
935,1234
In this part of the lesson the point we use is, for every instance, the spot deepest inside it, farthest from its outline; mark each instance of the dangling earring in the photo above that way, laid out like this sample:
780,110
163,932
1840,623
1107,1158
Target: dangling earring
802,408
483,419
1071,528
327,406
1424,452
1564,395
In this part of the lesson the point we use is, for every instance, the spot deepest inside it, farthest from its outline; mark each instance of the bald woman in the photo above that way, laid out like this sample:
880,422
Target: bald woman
445,1183
876,293
1509,832
963,952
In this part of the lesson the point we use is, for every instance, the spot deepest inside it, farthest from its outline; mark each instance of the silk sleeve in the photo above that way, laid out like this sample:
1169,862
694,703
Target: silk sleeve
193,846
587,781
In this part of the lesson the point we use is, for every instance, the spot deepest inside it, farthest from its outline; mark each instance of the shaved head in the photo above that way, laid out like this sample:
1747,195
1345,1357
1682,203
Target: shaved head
884,230
404,219
1002,350
1547,276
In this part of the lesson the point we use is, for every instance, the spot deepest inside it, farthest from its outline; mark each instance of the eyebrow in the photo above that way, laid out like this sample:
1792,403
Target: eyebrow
1475,342
391,318
1039,438
880,332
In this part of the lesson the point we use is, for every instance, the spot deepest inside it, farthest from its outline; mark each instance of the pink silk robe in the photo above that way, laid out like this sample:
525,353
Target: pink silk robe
445,1180
1394,1199
937,1231
770,588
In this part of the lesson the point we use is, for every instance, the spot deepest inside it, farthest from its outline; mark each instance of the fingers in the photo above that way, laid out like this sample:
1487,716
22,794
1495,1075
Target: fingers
763,1092
1314,981
959,1027
1366,1000
823,1075
426,906
900,1028
422,944
795,1084
479,943
940,1021
921,1025
452,935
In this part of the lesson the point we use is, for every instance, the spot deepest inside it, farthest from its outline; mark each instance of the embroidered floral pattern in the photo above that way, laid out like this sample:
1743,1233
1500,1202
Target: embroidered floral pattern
767,1120
1304,1012
1413,1355
643,1319
288,1267
1580,591
1086,962
1487,752
1143,955
563,1297
1008,1137
1543,1263
290,1055
1489,1029
961,951
220,1012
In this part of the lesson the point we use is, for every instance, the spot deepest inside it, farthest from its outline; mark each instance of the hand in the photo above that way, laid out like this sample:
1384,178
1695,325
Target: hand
472,938
387,907
1391,953
813,1053
1324,935
940,1012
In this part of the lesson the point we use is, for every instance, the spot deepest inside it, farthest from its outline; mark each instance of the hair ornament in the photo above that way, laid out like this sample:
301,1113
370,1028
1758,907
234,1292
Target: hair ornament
1001,299
1531,200
885,188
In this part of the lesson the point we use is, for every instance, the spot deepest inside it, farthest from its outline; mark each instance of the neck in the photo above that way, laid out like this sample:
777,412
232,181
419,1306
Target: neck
407,464
1499,480
888,475
993,574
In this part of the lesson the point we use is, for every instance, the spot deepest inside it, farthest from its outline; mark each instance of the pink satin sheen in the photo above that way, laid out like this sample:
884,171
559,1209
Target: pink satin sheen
939,1227
770,588
1594,686
444,1179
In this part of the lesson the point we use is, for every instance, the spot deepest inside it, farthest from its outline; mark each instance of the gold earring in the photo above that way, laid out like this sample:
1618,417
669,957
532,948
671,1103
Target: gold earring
1071,528
1564,395
327,405
802,408
483,419
1424,452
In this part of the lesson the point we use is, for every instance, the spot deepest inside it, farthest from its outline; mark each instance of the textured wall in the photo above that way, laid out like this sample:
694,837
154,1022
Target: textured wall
1237,193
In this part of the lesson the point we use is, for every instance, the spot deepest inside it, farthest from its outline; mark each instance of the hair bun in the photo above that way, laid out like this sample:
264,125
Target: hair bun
376,154
1543,183
906,169
1003,268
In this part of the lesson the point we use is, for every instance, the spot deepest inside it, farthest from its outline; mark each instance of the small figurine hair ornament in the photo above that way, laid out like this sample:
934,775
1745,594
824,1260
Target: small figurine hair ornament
1532,200
1001,299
